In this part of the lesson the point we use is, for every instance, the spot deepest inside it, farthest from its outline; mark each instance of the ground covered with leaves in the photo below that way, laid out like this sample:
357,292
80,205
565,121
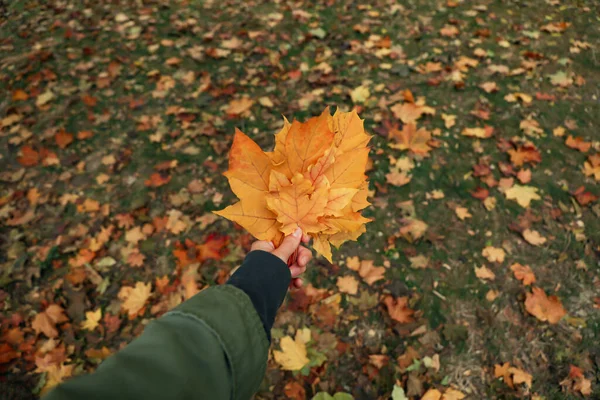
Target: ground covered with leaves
479,275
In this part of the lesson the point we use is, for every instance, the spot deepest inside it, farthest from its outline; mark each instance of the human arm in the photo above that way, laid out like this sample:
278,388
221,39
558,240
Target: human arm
213,346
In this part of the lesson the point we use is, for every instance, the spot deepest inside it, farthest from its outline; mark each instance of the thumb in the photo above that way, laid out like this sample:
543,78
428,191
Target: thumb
289,245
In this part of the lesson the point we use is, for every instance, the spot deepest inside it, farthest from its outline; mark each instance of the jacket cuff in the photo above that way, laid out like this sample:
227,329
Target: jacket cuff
265,278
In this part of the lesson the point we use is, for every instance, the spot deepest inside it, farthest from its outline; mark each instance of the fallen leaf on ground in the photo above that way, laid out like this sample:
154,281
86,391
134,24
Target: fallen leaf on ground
409,113
45,322
462,213
543,307
449,120
484,272
578,143
92,319
347,284
533,237
531,127
432,394
239,106
292,356
494,254
453,394
409,138
489,87
134,298
523,273
360,94
481,133
520,376
397,178
398,309
523,195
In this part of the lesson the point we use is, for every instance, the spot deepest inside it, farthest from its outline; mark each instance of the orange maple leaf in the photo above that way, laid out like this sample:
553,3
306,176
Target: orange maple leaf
578,143
523,273
543,307
409,138
63,139
29,156
313,179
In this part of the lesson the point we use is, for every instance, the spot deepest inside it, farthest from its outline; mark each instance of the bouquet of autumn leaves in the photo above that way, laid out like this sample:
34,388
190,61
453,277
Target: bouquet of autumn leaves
313,179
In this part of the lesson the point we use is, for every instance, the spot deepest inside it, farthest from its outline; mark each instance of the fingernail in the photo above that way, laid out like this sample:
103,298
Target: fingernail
297,233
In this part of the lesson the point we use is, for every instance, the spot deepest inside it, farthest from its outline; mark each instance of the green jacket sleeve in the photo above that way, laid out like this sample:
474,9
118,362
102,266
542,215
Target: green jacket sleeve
213,346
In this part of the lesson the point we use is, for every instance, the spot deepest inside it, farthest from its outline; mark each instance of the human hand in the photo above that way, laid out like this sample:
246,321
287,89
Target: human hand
286,249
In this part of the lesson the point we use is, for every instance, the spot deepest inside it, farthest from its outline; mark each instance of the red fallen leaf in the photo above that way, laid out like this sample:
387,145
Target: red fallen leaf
584,198
19,95
213,247
63,139
88,100
575,372
481,170
294,391
29,156
480,193
112,323
184,255
296,74
7,353
545,96
157,180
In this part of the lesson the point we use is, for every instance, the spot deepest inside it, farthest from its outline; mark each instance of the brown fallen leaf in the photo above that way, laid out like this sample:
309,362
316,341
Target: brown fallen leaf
46,321
398,309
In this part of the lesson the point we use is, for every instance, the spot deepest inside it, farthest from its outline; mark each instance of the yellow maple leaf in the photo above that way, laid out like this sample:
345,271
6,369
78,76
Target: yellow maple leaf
313,179
92,318
409,138
522,194
134,298
292,356
494,254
